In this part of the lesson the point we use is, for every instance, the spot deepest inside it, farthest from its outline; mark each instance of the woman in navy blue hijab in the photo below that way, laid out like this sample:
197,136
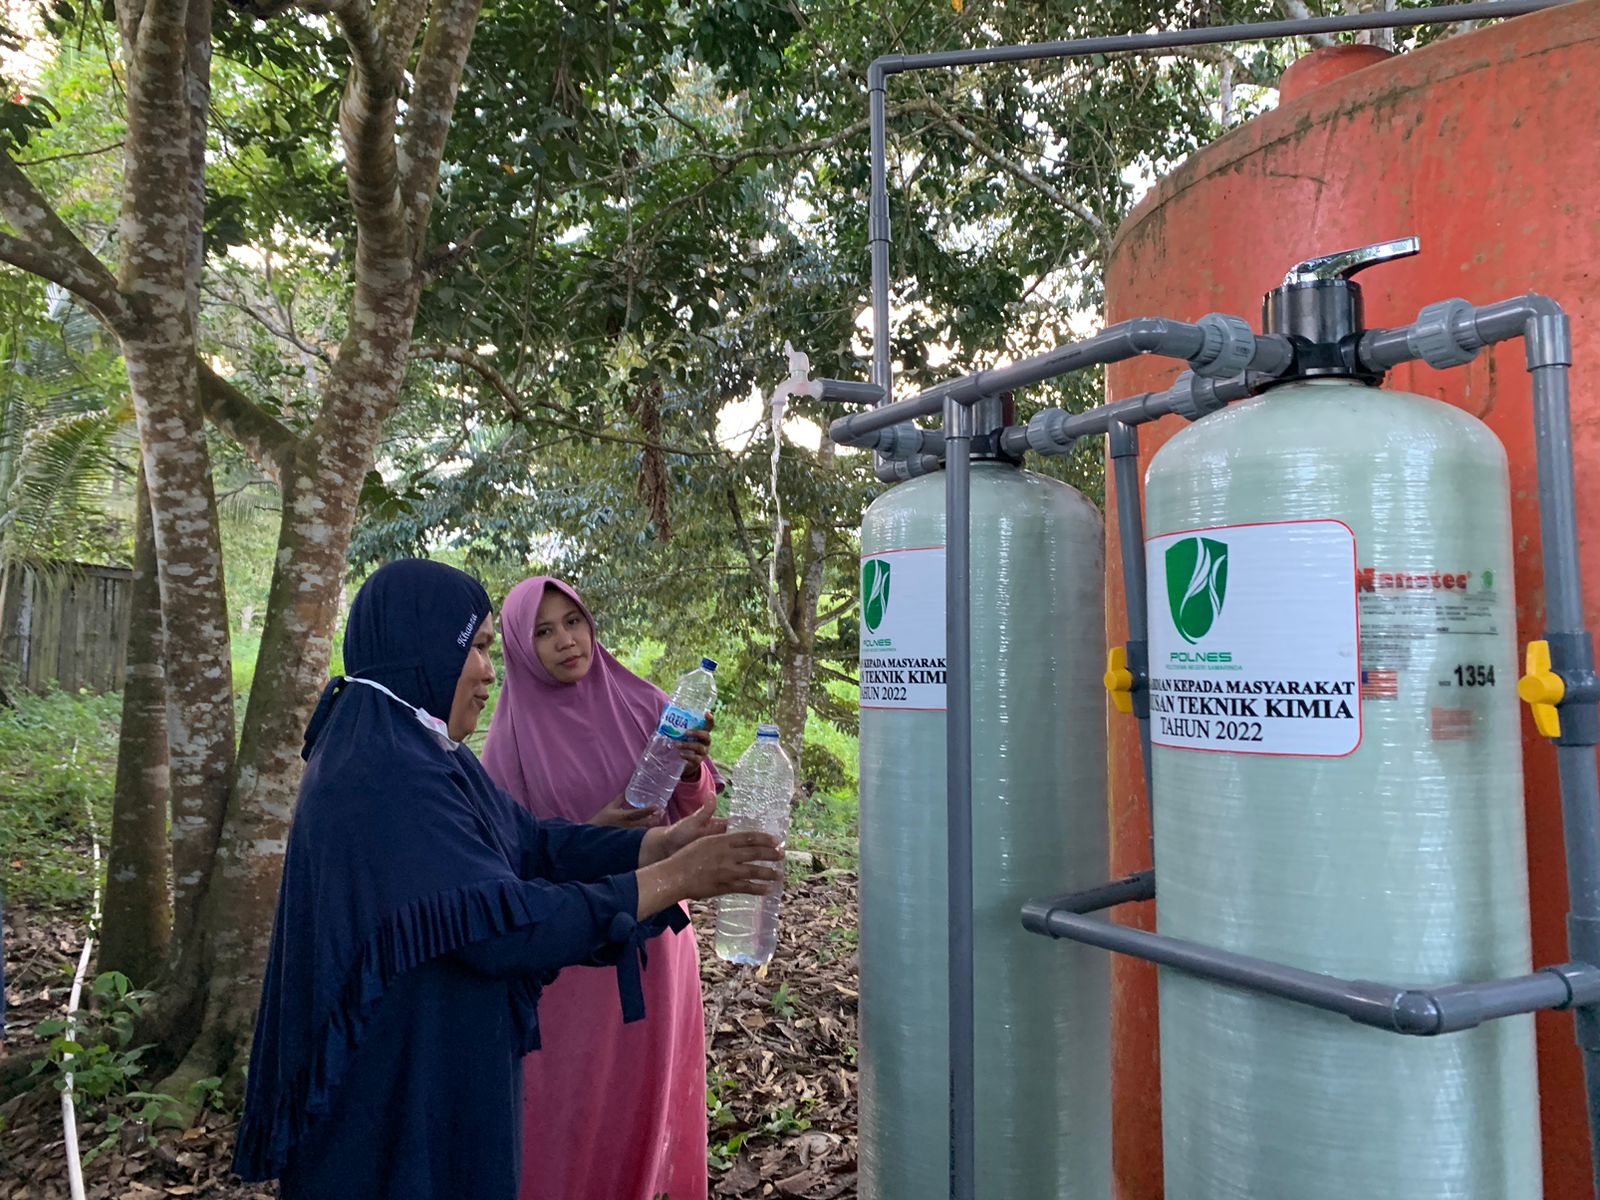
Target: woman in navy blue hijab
421,912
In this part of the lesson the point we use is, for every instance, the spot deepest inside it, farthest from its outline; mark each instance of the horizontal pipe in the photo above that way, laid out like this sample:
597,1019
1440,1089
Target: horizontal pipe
1502,321
1192,396
846,391
895,64
1421,1012
1143,335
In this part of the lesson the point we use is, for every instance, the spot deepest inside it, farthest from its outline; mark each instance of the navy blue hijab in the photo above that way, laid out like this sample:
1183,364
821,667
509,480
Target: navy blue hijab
402,851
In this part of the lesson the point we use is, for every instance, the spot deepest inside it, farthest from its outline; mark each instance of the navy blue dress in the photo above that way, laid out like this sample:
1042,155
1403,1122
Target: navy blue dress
420,914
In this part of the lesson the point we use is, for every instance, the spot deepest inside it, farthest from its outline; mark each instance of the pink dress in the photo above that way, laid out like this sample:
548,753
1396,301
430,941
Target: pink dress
609,1111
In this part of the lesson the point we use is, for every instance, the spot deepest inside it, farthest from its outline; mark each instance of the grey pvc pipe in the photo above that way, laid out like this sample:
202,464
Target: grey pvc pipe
958,764
894,64
1146,335
848,391
1419,1012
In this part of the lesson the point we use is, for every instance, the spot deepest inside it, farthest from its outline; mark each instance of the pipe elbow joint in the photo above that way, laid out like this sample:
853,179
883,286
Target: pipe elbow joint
1547,335
1416,1013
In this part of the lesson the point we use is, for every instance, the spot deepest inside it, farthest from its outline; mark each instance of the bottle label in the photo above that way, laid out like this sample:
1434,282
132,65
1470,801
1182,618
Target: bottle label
676,722
1253,639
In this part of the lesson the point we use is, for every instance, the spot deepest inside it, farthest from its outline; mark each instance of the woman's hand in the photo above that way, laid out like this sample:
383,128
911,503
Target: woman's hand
663,843
696,748
619,814
719,864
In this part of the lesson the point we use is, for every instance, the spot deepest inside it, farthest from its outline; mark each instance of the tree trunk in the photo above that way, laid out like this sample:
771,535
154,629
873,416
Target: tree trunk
321,490
800,595
138,910
794,702
159,349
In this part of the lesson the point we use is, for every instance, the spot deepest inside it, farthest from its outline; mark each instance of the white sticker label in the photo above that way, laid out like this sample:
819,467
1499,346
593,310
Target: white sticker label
1254,639
902,630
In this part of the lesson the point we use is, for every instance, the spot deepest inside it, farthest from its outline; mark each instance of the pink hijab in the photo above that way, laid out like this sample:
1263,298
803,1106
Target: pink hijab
565,750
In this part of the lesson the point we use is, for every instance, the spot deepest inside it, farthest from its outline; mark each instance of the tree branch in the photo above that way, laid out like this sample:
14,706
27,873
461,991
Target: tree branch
50,158
824,669
367,117
824,621
49,243
518,407
756,576
451,25
1015,169
398,24
1298,10
284,335
269,442
96,293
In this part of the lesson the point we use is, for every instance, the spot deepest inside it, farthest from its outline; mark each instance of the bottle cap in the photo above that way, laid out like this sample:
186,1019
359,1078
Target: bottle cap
709,664
767,733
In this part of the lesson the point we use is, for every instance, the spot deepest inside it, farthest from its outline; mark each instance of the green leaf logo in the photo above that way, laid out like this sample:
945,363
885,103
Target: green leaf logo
875,590
1197,581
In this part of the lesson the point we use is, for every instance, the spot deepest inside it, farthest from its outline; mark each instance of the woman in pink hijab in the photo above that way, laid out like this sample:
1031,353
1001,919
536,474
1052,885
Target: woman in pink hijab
610,1111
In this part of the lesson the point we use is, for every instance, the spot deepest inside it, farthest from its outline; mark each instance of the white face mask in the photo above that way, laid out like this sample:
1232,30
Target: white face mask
427,720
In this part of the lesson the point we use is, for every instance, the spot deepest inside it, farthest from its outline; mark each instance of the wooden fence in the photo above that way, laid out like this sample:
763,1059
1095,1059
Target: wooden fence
65,626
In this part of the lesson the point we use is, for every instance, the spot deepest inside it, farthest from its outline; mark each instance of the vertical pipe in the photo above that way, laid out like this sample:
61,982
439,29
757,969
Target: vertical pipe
958,786
1549,346
1124,445
878,232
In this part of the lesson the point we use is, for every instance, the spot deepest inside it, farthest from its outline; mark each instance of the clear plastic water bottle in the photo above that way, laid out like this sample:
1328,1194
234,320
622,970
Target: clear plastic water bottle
661,768
762,786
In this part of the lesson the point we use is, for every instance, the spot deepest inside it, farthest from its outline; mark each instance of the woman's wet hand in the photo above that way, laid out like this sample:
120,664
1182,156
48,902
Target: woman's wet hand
696,748
619,814
721,864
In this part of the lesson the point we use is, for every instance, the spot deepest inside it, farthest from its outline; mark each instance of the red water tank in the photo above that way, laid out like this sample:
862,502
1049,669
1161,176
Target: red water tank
1485,146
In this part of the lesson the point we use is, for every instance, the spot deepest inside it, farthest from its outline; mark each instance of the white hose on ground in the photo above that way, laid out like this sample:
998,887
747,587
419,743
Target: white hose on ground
69,1114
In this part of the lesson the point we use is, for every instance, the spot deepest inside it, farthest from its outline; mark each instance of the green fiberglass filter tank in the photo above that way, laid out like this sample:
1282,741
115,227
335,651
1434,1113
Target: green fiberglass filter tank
1337,778
1039,817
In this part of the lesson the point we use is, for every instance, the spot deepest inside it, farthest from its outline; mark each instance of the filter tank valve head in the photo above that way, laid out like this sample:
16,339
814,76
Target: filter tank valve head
1318,308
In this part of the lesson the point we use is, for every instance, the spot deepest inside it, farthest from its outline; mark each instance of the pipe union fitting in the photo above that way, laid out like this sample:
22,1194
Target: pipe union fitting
1045,432
1229,346
1445,335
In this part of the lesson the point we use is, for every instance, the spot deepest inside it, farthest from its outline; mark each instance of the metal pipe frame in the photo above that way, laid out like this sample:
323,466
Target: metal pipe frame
962,1098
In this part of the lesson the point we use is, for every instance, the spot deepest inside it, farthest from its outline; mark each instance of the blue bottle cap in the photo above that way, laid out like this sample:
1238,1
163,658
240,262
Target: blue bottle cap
768,733
709,664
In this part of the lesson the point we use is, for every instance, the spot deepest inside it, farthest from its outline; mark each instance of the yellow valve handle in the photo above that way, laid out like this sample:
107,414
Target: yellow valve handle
1542,689
1119,680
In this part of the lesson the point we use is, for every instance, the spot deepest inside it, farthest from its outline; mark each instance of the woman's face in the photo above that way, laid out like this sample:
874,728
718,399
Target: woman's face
472,689
562,637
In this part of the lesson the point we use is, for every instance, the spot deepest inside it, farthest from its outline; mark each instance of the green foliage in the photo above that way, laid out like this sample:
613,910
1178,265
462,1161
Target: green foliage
65,432
57,765
93,1055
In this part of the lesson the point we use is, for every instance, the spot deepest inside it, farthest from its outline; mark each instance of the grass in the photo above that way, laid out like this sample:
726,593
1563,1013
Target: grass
58,757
